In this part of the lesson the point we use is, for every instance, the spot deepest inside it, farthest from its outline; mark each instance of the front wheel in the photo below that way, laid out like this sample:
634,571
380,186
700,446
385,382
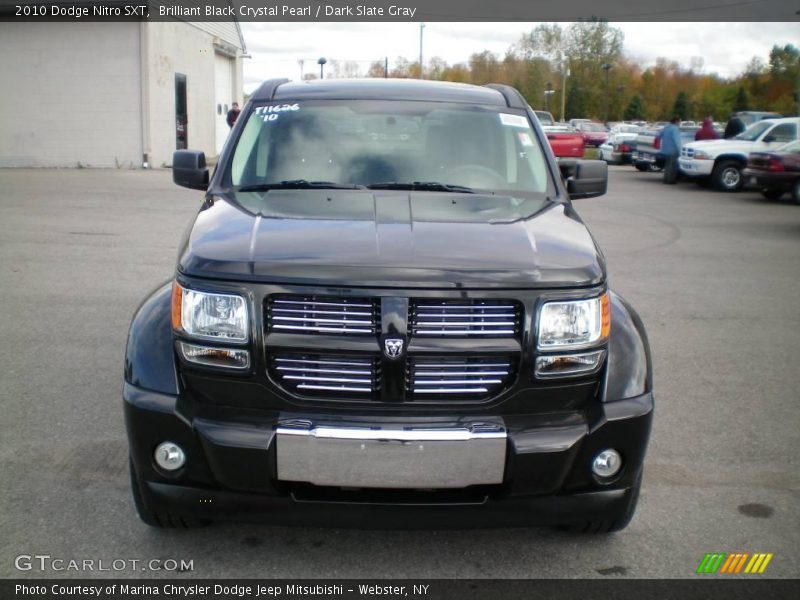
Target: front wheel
727,176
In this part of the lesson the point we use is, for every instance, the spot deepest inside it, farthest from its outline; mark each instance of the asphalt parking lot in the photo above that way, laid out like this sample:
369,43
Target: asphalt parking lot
715,277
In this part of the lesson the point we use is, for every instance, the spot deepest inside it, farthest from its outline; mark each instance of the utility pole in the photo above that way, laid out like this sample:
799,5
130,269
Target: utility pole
421,70
565,71
606,67
386,68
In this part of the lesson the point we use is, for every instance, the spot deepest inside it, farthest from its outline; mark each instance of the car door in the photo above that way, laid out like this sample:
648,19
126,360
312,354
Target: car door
779,135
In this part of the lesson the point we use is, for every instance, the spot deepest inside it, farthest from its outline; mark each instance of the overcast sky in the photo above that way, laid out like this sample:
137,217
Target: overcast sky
277,47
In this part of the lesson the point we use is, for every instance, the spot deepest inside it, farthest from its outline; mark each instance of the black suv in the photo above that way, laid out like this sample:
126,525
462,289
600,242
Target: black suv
387,312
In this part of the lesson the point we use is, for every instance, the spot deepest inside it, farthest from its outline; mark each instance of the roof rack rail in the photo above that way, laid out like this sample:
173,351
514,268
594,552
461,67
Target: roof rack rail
513,98
266,90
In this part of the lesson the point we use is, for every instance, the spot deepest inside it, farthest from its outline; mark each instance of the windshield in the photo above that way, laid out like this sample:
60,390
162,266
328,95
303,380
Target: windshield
424,146
753,132
594,127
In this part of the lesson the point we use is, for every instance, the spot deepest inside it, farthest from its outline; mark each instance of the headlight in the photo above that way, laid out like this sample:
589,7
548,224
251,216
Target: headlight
574,324
701,154
209,316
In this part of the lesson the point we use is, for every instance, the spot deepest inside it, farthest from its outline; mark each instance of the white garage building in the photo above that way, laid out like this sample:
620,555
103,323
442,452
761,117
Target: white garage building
115,94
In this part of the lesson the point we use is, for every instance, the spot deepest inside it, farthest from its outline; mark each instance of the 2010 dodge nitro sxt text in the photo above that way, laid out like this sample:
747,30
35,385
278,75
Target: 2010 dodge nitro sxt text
387,312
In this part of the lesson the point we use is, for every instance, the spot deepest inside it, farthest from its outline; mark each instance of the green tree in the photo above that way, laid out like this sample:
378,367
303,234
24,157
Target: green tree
576,101
784,63
742,102
636,109
682,106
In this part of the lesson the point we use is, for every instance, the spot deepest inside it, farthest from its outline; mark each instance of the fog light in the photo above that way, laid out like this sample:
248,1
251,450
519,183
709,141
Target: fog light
169,456
607,464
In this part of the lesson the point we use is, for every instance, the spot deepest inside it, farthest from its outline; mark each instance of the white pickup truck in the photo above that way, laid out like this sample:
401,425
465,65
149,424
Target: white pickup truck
724,160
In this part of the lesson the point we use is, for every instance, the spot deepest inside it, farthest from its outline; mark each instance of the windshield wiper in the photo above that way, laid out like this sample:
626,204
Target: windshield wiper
425,186
299,184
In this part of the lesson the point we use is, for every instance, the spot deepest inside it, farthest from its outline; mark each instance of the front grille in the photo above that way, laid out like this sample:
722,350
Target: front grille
322,315
431,378
465,318
687,152
325,375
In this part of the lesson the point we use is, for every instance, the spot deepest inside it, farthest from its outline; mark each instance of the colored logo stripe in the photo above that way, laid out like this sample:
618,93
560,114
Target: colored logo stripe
734,563
758,563
711,562
722,562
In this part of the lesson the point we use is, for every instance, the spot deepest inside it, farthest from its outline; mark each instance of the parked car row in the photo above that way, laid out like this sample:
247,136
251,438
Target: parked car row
723,161
766,156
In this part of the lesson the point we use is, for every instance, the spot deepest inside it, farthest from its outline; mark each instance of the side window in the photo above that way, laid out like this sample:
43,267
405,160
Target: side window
786,132
249,158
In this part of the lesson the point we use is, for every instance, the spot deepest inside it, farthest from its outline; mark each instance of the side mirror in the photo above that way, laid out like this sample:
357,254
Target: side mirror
768,138
586,178
189,169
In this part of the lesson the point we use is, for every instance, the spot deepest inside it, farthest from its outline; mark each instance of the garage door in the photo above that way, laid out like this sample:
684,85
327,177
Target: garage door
223,86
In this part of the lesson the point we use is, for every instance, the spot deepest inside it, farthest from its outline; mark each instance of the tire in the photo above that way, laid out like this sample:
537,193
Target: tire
727,176
609,525
796,192
158,520
642,168
772,194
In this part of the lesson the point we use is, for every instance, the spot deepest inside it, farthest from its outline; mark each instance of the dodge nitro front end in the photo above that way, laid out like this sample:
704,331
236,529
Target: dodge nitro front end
387,313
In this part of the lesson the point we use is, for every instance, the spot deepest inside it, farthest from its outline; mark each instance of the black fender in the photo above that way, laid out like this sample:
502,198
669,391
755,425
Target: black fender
630,372
149,356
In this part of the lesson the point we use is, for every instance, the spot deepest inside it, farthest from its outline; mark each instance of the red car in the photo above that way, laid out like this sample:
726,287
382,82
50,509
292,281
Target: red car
776,172
594,134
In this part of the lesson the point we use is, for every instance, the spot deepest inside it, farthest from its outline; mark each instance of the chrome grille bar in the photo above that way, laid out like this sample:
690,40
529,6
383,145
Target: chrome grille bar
471,377
322,315
460,319
313,374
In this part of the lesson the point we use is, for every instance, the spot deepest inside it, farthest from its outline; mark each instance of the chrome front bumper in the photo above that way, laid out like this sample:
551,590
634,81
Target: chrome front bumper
391,456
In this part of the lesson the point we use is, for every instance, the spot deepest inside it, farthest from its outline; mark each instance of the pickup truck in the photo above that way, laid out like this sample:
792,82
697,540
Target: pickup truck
387,311
646,147
724,160
564,141
618,148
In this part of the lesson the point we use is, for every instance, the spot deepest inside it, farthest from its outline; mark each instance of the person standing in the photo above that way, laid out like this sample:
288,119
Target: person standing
734,127
233,114
706,131
671,149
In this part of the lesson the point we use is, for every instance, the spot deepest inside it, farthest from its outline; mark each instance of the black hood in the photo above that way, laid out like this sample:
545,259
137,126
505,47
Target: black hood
387,239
